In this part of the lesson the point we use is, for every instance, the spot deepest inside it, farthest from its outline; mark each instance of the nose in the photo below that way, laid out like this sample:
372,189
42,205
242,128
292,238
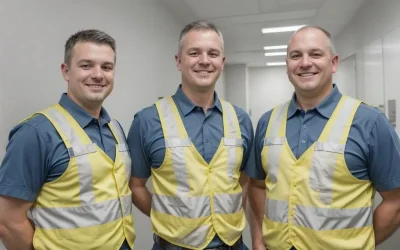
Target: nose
306,61
204,59
97,73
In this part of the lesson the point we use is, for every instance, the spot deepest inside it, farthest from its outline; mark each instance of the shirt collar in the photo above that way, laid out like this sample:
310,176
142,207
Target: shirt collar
187,106
79,114
325,108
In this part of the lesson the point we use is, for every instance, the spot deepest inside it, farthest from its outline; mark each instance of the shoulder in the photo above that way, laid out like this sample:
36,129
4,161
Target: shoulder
38,124
147,114
265,118
241,114
243,117
368,116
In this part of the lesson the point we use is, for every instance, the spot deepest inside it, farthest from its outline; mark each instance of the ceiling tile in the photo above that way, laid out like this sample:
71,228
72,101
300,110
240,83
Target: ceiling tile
206,9
289,5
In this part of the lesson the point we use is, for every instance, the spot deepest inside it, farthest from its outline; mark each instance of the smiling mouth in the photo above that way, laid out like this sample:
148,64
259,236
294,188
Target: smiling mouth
202,72
95,86
306,74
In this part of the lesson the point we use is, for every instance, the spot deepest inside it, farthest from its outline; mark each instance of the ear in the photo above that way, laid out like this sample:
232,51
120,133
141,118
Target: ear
335,63
178,61
286,60
65,71
223,63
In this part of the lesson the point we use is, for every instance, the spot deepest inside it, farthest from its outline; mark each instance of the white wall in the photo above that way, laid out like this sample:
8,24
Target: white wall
374,19
236,85
33,34
269,87
220,86
391,58
373,74
345,77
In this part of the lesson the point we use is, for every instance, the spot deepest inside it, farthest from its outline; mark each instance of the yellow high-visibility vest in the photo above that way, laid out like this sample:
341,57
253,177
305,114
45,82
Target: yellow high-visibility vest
314,202
90,205
194,200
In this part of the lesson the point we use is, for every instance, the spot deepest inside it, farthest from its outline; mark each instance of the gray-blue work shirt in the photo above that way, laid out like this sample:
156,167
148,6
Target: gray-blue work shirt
372,150
147,145
36,154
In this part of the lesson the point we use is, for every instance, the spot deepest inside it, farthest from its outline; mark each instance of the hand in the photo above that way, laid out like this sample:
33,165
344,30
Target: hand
259,247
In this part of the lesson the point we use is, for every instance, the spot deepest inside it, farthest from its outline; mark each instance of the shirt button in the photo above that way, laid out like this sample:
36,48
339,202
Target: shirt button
303,141
305,126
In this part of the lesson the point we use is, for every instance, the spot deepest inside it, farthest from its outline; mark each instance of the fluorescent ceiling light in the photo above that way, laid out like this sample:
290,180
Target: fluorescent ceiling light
283,53
281,29
276,63
275,47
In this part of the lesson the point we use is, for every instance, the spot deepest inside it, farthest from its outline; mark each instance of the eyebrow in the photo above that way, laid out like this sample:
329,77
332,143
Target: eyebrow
312,50
90,61
197,48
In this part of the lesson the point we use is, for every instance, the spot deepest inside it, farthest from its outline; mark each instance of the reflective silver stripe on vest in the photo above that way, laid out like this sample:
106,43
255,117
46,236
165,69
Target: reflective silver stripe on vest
80,152
174,144
275,125
331,218
227,203
231,140
275,143
85,216
197,206
325,155
320,218
197,237
182,206
122,147
276,210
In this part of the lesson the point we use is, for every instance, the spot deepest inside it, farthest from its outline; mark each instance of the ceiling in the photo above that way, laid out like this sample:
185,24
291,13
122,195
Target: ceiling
241,22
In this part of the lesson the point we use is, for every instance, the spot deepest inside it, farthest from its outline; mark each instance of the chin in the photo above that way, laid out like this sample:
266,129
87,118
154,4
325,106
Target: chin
306,86
98,97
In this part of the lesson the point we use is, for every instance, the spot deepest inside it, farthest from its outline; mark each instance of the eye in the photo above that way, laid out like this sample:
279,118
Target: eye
107,68
316,55
214,54
193,53
85,66
295,56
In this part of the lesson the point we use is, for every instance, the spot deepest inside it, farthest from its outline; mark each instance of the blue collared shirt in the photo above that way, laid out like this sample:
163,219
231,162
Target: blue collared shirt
372,150
146,139
36,154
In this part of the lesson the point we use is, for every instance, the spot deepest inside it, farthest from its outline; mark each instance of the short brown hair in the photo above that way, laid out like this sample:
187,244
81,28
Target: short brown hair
89,35
199,25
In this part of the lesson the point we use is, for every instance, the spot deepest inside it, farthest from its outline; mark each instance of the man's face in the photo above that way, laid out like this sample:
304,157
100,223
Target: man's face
201,59
310,63
90,75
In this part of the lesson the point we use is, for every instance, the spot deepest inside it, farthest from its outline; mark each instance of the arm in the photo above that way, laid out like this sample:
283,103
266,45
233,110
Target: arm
257,191
16,230
387,215
141,196
384,170
22,174
243,181
256,186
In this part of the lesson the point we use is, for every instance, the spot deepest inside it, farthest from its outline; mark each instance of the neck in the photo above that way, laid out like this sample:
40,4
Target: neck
92,109
309,100
203,98
95,112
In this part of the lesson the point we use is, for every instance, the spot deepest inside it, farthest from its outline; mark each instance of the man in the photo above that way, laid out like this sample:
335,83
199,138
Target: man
69,165
319,159
194,146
